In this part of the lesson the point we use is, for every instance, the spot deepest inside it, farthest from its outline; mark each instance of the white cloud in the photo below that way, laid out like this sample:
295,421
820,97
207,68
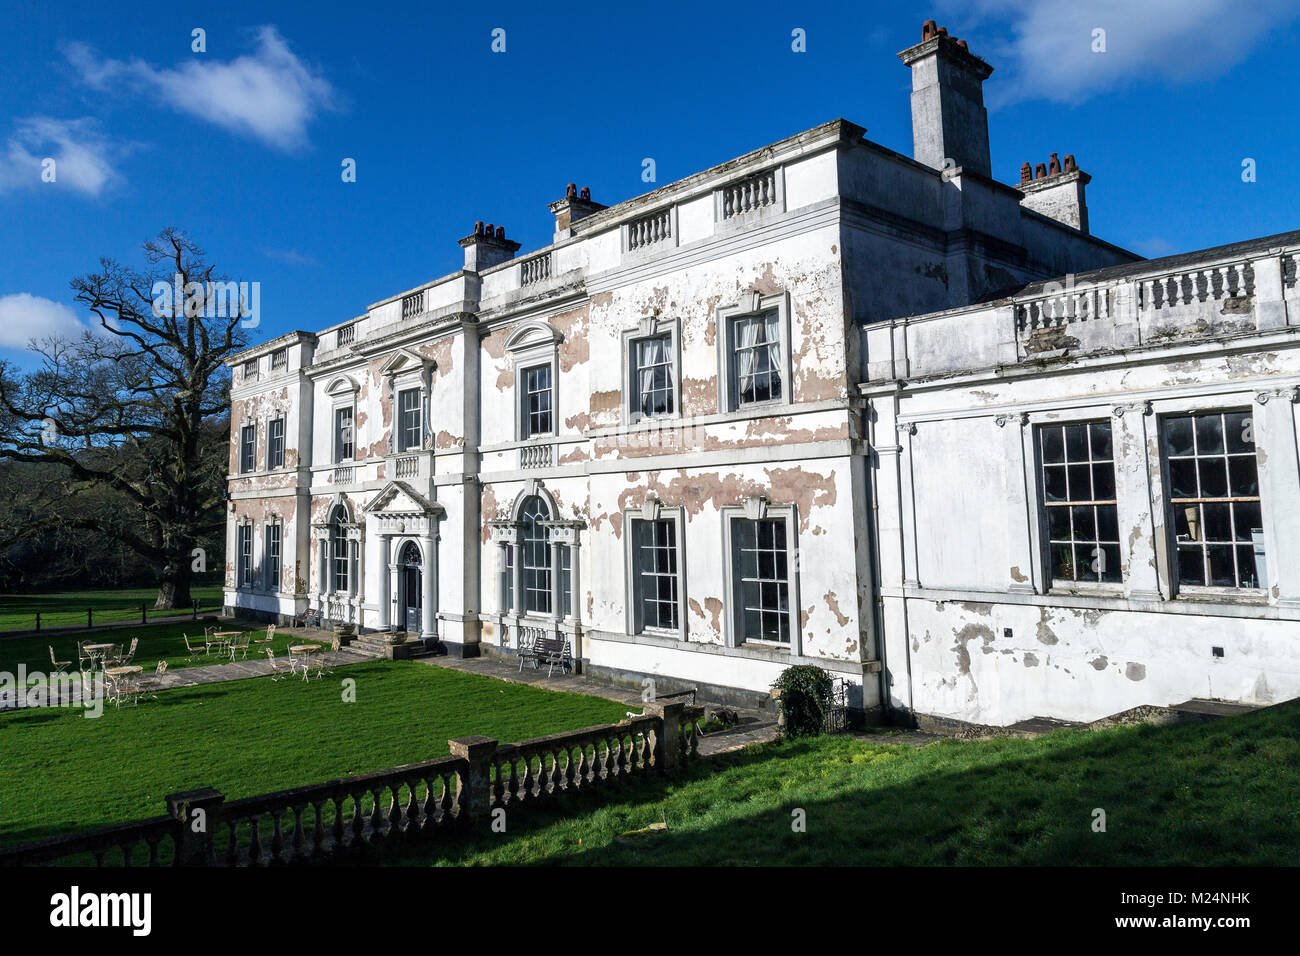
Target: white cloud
83,157
1050,54
270,95
24,317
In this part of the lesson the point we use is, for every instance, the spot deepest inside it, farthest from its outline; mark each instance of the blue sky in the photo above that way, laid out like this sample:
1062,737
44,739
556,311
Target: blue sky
242,145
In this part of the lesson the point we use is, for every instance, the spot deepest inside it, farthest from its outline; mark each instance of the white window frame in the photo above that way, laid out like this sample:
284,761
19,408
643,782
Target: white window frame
1038,484
653,511
400,389
759,509
522,410
351,408
530,345
650,327
751,304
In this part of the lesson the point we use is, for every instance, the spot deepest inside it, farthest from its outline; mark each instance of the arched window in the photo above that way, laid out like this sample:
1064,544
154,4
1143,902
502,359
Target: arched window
536,555
339,548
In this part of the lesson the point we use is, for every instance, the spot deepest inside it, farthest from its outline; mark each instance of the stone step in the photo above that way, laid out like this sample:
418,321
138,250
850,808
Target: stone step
1200,707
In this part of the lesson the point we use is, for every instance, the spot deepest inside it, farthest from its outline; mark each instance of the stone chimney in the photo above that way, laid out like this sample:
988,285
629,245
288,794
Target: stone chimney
950,126
1056,190
486,247
574,206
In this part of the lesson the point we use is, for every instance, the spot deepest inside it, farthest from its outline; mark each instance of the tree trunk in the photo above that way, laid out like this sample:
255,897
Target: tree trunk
174,586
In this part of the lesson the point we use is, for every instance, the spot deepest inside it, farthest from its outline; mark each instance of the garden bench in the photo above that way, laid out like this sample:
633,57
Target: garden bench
547,648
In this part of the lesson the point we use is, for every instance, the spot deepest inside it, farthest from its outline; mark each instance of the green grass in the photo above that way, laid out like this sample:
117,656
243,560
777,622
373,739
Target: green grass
157,642
68,608
1214,795
63,772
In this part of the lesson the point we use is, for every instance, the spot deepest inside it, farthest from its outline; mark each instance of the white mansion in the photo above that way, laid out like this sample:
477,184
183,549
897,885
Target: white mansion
823,403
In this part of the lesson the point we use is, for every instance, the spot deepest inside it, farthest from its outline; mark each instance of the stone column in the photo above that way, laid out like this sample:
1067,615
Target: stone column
575,579
501,576
197,812
474,796
1139,508
906,430
557,584
428,588
385,582
520,604
1279,490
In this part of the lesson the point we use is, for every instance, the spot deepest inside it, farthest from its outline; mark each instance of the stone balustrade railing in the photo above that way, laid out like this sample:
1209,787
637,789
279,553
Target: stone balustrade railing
536,269
412,304
407,466
431,799
536,456
749,194
650,230
343,475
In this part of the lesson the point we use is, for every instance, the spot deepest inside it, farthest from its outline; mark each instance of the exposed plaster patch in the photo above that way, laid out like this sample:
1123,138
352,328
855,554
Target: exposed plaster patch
1135,672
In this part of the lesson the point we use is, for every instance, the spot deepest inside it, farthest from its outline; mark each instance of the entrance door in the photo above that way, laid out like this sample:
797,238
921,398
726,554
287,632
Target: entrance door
409,595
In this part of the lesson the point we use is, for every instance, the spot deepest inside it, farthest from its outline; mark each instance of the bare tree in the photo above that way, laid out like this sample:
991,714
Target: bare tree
134,404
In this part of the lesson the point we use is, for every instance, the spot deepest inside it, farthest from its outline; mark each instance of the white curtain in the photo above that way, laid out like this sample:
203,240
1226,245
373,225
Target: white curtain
771,335
651,352
747,331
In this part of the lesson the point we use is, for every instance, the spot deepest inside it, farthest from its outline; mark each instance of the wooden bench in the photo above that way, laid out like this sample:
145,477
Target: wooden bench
547,648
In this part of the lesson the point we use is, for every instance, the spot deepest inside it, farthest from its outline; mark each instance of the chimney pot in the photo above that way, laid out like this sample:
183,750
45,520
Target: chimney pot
1040,171
571,191
1026,172
478,228
501,232
1070,165
928,30
943,31
586,193
962,44
1054,167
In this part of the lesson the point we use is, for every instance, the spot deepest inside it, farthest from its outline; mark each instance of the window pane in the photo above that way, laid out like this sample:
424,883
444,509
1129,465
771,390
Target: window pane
1214,477
1058,524
1080,482
1247,518
1239,432
1190,567
1085,525
1076,443
1182,478
1103,481
1178,436
1054,483
1243,477
1107,523
1099,433
1053,444
1209,434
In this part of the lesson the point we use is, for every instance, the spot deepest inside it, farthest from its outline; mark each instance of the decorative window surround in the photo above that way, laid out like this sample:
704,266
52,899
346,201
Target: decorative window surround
751,304
342,391
651,327
652,510
272,553
275,443
757,509
402,371
530,345
247,447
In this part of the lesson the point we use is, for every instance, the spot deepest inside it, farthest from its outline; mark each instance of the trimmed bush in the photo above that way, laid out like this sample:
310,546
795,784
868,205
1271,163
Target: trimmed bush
807,696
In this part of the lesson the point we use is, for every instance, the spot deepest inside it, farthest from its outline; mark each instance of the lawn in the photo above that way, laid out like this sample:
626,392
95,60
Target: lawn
157,642
1213,795
62,772
68,608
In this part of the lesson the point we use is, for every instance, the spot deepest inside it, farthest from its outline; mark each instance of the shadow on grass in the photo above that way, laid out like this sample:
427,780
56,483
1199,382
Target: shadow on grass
1221,793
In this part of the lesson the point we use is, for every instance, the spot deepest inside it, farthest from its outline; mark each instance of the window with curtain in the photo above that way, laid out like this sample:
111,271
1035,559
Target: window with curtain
536,556
656,568
653,374
408,431
756,358
339,550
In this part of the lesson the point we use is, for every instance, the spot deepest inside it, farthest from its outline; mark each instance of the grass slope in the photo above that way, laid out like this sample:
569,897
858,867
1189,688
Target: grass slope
68,608
62,772
1214,794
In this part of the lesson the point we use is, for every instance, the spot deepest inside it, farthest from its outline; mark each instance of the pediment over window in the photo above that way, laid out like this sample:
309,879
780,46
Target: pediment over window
342,385
531,335
405,360
399,498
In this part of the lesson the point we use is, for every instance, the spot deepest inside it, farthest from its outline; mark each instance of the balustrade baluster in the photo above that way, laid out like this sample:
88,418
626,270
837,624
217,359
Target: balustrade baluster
255,840
299,838
277,838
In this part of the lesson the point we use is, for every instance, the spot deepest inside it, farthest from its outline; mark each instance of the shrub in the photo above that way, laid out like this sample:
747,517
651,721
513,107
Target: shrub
806,699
